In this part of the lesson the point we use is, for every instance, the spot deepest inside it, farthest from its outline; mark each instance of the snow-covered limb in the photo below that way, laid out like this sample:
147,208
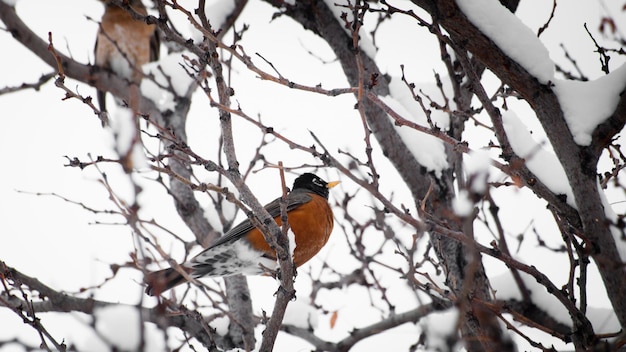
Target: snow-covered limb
617,231
55,301
428,150
538,159
343,8
513,37
588,104
603,320
391,220
394,320
169,82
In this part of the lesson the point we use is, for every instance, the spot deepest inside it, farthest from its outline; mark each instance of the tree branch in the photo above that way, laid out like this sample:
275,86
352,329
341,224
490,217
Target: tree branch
54,301
392,321
580,166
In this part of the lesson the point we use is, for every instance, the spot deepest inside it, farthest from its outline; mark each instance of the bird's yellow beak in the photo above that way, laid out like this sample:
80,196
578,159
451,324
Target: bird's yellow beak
332,184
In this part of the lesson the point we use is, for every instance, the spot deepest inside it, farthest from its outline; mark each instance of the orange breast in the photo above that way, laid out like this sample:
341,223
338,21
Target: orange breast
311,224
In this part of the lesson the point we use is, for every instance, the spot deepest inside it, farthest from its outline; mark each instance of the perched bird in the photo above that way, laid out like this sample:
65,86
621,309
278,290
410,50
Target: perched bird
124,44
243,250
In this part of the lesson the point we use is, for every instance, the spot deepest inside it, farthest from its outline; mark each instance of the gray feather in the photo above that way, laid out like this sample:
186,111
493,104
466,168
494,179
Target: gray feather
294,199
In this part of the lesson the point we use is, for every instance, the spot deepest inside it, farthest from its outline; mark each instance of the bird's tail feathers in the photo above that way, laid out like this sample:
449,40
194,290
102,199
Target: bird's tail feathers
163,280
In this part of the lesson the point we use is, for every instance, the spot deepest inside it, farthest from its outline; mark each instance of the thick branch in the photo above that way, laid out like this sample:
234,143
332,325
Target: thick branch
579,165
326,26
394,320
605,132
360,68
55,301
88,74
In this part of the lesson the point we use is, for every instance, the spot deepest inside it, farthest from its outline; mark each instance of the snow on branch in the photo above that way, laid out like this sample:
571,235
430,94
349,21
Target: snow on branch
511,35
587,104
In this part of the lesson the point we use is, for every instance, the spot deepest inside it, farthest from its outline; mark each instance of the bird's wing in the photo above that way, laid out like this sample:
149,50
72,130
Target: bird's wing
294,199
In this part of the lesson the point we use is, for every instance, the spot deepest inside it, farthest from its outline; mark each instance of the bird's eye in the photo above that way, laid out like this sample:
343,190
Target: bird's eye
318,182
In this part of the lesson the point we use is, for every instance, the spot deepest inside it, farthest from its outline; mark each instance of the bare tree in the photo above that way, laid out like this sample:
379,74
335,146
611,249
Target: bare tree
455,146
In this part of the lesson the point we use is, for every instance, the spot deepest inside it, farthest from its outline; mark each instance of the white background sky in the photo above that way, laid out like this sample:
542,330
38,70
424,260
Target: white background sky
58,242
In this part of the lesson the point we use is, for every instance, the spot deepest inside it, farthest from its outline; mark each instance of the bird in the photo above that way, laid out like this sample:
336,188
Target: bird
243,249
124,45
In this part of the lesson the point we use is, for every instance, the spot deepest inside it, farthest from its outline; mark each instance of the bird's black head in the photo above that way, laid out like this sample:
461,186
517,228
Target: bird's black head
312,183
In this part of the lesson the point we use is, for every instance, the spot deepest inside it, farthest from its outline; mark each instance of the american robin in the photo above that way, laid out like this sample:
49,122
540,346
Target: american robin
243,250
124,44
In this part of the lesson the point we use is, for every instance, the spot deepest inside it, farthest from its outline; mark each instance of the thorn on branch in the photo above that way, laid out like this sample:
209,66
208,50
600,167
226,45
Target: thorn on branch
75,162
